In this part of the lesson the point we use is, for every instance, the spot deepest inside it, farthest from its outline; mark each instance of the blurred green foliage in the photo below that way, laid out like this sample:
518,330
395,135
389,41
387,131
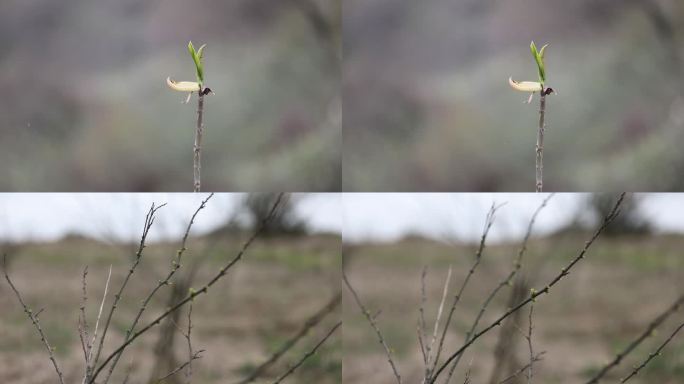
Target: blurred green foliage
427,105
85,106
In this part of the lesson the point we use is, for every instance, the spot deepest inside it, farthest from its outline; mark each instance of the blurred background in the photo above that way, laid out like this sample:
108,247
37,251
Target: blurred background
85,105
630,275
242,321
427,106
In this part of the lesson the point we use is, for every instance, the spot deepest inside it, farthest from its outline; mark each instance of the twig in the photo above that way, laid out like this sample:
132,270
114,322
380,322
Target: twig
188,372
517,265
149,221
564,272
175,265
653,354
83,321
517,373
34,320
308,354
194,356
489,221
197,148
540,142
371,320
648,332
308,325
439,315
193,293
99,314
529,344
422,328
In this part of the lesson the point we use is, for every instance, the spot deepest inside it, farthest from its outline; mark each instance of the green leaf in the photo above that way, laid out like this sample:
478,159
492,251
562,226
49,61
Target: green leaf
198,62
538,57
200,51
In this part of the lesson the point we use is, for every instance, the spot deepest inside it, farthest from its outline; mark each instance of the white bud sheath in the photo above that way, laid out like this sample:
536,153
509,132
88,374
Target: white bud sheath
525,86
183,86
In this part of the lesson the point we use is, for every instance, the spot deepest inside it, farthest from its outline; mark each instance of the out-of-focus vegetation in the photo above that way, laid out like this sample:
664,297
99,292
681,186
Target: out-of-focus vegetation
427,105
85,106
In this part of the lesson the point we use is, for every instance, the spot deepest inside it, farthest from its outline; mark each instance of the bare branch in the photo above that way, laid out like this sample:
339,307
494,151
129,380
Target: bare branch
35,321
83,321
422,328
564,272
529,344
436,327
517,265
520,371
632,346
188,372
653,354
175,265
99,314
371,320
489,221
308,354
194,356
193,293
308,325
149,220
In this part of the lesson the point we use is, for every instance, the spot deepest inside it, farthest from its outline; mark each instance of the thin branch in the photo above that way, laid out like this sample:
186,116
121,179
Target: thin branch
83,321
308,354
653,354
520,371
197,148
149,220
489,221
193,293
188,372
530,347
175,265
439,315
422,328
34,319
99,314
564,272
517,265
540,143
643,336
194,356
308,325
371,320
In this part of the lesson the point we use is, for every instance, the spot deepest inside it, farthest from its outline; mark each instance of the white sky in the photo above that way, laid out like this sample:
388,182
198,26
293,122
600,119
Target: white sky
359,216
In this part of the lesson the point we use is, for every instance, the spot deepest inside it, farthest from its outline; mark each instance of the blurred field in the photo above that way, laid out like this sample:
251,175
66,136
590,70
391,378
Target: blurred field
85,106
261,303
427,106
605,302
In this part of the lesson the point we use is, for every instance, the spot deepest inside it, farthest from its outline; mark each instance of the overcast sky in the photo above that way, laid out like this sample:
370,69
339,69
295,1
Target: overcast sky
359,216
